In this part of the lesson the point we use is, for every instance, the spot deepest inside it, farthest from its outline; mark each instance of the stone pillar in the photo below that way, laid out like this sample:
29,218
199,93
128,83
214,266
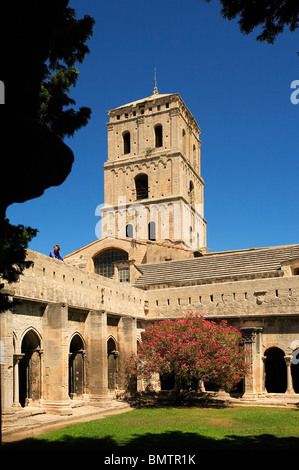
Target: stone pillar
97,372
127,343
264,358
16,360
174,127
56,360
140,135
6,361
288,361
252,343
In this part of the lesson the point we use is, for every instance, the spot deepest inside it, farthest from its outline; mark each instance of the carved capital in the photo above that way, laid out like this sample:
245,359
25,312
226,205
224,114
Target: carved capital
249,333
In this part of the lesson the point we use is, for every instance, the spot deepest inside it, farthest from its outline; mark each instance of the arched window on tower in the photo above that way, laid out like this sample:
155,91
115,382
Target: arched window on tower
127,142
129,231
141,185
158,136
152,231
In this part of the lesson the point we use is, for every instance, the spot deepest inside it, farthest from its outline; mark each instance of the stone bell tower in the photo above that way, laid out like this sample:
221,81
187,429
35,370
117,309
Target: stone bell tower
153,186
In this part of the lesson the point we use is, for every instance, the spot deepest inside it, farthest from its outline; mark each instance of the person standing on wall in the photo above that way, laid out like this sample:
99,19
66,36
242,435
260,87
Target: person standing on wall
55,253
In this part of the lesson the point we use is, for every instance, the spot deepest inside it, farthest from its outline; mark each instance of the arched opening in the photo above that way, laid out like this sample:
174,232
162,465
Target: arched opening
141,185
167,381
152,231
129,231
103,262
30,369
295,370
127,142
158,136
275,371
191,192
112,359
76,367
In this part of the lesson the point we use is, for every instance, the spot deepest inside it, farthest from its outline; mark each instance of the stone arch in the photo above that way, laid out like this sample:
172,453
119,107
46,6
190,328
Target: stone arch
30,377
16,343
275,370
76,366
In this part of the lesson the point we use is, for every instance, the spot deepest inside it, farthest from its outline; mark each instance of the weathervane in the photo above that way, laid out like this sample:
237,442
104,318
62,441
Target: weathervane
155,89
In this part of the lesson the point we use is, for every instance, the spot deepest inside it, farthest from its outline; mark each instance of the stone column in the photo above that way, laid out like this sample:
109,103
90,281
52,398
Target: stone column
41,391
84,360
264,358
97,372
251,336
56,364
6,361
16,360
127,342
288,361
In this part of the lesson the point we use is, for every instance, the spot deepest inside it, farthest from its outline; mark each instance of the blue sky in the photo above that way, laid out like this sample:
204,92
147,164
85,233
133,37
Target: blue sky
239,91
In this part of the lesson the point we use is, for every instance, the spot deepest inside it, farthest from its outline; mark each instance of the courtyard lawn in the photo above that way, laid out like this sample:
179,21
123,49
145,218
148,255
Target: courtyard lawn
179,430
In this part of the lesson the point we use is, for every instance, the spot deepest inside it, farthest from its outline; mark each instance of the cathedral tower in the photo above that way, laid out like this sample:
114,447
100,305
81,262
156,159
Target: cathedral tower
153,186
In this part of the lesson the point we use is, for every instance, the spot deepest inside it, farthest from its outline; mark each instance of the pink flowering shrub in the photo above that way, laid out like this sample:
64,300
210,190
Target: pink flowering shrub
191,348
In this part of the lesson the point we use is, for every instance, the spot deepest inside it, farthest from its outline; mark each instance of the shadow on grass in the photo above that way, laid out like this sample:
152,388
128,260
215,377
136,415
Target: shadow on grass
174,442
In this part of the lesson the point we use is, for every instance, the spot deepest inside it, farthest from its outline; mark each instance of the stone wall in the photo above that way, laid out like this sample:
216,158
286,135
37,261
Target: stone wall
51,280
269,296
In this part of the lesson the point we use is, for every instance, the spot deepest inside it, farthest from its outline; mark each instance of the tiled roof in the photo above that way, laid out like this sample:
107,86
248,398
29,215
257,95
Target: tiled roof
251,262
148,98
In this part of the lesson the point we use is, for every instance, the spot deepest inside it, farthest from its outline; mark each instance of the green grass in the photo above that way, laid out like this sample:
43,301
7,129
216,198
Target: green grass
180,430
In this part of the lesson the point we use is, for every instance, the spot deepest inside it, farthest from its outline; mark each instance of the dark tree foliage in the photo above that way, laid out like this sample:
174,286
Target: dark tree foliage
40,42
67,47
271,15
13,241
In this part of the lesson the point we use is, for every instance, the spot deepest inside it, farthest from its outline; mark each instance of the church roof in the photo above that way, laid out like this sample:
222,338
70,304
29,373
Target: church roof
155,96
255,262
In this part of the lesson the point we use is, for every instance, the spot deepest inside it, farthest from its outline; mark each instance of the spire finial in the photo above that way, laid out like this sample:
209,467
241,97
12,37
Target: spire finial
155,89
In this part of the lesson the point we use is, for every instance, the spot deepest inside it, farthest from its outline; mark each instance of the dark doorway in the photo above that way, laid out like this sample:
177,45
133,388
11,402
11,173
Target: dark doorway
112,354
276,371
76,367
30,369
